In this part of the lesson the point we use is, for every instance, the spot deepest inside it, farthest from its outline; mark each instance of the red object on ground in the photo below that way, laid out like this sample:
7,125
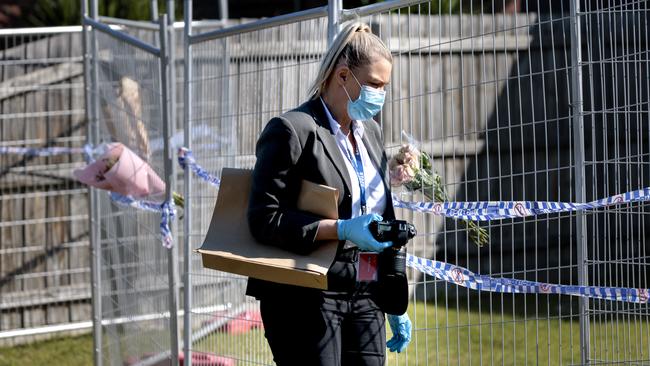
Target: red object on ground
206,359
241,323
244,322
198,359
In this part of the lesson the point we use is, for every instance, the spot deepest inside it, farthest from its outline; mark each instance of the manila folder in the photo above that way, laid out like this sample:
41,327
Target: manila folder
230,247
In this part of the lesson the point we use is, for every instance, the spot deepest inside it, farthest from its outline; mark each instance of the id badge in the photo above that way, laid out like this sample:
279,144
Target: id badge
367,267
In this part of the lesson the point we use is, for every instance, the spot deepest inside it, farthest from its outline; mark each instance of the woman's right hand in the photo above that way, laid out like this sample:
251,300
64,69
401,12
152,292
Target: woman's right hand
356,230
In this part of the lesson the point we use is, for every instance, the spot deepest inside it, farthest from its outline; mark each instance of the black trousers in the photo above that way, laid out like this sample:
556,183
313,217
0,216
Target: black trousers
327,329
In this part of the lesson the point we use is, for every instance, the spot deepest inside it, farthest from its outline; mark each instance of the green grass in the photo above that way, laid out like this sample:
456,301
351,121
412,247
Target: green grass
440,337
450,337
443,337
474,338
69,351
251,346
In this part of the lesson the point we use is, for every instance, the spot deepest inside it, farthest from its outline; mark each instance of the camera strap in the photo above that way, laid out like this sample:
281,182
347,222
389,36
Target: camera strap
357,164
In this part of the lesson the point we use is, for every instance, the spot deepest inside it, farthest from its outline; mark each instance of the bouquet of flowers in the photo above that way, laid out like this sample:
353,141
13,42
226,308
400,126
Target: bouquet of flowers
120,170
411,168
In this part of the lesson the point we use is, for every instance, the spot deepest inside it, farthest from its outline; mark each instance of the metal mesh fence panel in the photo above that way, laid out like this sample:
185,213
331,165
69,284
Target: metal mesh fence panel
513,100
487,91
470,86
44,276
489,96
616,89
134,274
238,83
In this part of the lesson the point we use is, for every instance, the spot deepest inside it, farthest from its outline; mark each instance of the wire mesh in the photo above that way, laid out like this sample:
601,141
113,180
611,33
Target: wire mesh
239,82
134,275
44,276
485,88
617,133
487,95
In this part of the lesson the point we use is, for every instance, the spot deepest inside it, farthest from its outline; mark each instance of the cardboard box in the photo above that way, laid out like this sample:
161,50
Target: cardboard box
230,247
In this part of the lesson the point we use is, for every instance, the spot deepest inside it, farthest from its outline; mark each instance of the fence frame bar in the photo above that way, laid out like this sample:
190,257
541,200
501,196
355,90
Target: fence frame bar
89,44
135,42
153,10
173,267
349,14
334,13
130,23
146,25
187,182
577,126
41,30
261,24
168,132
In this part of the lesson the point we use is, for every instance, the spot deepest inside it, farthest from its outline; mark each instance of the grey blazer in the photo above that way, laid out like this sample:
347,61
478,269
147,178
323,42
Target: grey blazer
297,146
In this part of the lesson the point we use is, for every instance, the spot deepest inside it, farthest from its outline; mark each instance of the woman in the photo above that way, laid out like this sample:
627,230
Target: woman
332,140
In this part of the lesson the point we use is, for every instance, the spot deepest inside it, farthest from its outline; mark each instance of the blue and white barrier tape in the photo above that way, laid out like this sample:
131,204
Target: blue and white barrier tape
474,211
167,211
485,211
88,150
186,160
491,211
465,278
47,151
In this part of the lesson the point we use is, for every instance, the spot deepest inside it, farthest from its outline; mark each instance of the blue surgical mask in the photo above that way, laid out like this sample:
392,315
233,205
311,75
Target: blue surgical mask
368,104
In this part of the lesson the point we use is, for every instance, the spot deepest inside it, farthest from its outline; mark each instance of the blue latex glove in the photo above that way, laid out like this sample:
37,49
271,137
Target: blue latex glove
401,327
356,230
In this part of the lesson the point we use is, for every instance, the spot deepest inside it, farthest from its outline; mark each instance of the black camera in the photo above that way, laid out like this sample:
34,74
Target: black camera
393,298
392,261
397,231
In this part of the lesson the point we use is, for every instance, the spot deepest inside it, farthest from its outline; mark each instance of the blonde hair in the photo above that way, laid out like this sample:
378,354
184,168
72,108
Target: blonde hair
354,46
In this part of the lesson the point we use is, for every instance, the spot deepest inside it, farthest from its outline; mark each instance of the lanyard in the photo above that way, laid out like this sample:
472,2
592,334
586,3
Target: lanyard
358,168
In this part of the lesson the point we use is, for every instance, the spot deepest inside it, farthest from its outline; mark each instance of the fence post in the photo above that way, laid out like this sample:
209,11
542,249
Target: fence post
223,10
168,132
334,8
89,44
579,182
187,214
153,8
171,56
227,120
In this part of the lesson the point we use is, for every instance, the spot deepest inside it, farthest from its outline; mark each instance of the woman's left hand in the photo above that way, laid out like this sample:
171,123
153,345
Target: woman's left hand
400,325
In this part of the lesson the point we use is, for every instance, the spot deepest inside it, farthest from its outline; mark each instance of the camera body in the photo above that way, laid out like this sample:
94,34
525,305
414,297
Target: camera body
397,231
392,261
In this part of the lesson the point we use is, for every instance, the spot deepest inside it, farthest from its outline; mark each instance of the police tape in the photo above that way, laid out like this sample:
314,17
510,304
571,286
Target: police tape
186,160
466,278
166,209
47,151
498,210
474,211
483,211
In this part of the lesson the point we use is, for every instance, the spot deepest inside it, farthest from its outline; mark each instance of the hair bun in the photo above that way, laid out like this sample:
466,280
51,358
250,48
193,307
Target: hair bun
363,27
